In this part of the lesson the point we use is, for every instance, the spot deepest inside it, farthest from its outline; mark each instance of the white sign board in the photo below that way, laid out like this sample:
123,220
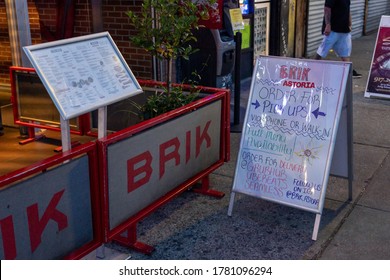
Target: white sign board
378,82
290,129
83,74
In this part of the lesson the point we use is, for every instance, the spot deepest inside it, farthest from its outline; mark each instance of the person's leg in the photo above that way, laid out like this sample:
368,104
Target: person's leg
343,49
343,46
326,45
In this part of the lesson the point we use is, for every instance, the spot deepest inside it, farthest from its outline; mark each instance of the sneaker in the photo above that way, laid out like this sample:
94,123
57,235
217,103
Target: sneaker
355,74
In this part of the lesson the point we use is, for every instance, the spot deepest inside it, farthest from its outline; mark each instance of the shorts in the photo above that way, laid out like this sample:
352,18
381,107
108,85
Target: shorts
341,43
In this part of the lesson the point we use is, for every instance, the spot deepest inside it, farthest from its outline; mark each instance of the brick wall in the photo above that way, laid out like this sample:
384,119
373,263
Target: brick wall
116,22
114,19
34,22
5,50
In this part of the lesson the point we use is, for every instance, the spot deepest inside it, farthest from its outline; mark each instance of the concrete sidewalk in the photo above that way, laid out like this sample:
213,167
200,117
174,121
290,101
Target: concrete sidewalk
193,226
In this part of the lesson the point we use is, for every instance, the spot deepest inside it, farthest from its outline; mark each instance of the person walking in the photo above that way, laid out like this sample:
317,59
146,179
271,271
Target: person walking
336,30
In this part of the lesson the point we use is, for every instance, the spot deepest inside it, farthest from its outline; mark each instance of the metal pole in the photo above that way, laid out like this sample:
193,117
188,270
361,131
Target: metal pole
349,98
237,78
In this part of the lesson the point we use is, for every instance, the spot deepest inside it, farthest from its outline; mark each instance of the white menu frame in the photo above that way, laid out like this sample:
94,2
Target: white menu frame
83,74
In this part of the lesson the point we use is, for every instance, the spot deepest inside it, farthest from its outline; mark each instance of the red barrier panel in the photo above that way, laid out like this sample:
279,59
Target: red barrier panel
148,164
50,210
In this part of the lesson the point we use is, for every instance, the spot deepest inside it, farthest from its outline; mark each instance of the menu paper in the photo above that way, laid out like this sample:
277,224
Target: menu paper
289,130
83,73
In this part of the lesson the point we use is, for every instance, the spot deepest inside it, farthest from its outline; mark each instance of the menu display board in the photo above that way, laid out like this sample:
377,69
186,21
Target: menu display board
261,29
290,130
378,83
83,73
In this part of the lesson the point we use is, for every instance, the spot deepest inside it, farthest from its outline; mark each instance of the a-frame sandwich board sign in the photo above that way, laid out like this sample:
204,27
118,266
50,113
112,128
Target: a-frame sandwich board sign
289,132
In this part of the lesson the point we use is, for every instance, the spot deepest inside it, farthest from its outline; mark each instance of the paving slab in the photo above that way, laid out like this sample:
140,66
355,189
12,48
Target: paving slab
366,160
363,236
377,194
371,123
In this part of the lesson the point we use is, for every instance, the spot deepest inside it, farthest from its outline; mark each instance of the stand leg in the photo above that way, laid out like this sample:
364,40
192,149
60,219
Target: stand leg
316,227
205,189
31,136
231,204
102,122
73,144
65,135
101,253
130,240
350,187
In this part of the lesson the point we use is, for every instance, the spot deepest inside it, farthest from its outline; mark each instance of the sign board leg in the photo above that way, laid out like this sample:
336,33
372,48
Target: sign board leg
316,226
231,203
101,252
350,186
350,132
65,135
102,122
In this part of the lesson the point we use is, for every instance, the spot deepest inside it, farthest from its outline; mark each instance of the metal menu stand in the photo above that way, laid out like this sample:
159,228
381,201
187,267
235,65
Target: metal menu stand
83,74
